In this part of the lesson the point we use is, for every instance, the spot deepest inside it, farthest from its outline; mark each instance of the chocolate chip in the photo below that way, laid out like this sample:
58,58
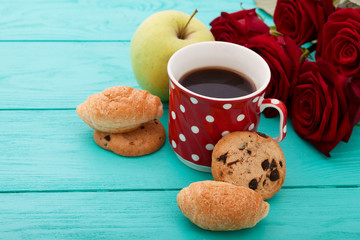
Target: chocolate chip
105,144
262,135
249,152
274,175
265,164
272,165
107,138
253,184
222,158
156,121
142,127
234,162
280,163
243,146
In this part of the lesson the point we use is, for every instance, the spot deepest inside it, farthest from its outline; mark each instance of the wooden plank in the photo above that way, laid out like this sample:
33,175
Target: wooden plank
54,150
294,214
96,20
60,75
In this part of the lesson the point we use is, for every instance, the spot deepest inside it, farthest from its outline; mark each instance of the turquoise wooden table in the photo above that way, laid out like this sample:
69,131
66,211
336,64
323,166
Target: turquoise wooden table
56,183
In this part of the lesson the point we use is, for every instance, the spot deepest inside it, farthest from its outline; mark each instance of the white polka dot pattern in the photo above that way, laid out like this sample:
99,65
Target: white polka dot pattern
195,129
195,157
261,100
209,118
227,106
182,108
193,100
225,133
195,121
275,101
182,137
240,117
209,147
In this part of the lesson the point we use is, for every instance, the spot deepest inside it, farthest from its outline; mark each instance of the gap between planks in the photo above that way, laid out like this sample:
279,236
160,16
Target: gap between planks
158,189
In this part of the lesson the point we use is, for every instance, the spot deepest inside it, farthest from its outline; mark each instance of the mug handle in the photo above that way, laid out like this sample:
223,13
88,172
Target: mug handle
280,106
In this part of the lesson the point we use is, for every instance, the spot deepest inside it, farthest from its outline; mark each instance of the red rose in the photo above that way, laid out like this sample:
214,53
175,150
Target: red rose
339,41
238,27
302,20
283,57
322,105
353,93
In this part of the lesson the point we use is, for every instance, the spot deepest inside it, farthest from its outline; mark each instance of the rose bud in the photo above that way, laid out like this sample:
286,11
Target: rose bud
238,27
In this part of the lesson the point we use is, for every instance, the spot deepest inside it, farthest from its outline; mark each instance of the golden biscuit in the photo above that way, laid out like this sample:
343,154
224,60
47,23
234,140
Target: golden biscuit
148,138
119,109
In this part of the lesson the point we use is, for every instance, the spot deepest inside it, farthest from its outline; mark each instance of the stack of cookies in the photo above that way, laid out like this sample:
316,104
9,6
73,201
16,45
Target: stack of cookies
125,120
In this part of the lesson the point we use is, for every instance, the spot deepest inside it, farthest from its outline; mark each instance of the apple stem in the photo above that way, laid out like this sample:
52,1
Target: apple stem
183,30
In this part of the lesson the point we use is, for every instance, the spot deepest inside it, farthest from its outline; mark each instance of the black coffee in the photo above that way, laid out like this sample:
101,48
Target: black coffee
218,82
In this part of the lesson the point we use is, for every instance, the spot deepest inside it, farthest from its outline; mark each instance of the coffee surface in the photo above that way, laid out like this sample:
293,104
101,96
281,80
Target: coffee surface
218,82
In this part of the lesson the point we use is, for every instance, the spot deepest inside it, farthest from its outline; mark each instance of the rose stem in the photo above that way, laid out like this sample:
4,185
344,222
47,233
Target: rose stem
183,30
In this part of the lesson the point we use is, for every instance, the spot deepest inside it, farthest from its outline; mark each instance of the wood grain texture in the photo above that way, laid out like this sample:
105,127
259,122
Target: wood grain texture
54,150
60,75
296,214
56,183
96,19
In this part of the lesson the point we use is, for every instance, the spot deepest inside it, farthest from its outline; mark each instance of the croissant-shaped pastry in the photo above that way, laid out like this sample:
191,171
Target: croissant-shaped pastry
220,206
119,109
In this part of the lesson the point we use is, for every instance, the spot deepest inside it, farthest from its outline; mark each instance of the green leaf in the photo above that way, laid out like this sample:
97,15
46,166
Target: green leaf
274,32
267,5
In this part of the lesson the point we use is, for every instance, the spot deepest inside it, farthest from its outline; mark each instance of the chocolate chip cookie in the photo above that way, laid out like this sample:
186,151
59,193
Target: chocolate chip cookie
148,138
249,159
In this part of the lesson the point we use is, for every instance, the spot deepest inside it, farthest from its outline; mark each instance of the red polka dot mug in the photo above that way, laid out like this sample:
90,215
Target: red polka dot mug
197,122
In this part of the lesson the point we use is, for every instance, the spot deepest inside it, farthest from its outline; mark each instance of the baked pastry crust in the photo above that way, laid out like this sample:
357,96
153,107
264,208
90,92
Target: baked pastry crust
249,159
220,206
119,109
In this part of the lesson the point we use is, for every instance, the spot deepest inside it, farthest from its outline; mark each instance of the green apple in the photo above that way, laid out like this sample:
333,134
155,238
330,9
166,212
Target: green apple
156,40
